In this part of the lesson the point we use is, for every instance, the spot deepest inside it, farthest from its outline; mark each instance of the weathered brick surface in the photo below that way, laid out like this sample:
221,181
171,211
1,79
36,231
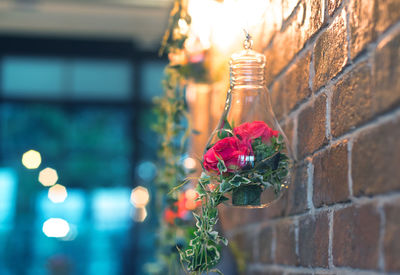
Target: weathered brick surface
330,51
246,245
355,237
386,13
297,191
368,19
333,5
375,159
292,88
392,233
330,175
287,128
311,127
351,103
305,21
285,251
347,124
314,17
361,14
288,7
265,244
387,74
314,240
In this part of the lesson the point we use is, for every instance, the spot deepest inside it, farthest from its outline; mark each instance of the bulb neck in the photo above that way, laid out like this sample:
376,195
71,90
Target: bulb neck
247,76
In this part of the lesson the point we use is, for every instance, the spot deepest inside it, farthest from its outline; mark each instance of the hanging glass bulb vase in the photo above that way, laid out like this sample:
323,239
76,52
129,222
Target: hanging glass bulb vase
248,156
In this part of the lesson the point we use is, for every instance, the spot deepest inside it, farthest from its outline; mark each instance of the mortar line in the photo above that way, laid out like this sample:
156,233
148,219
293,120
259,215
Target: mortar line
330,244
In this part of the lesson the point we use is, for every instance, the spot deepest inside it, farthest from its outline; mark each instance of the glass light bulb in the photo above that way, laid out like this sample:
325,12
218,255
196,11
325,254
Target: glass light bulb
248,155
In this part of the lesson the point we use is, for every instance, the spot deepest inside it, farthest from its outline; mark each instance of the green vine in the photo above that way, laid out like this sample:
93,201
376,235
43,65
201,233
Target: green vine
172,125
271,168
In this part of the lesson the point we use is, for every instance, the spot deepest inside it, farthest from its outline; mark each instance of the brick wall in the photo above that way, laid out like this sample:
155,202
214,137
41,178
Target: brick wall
333,70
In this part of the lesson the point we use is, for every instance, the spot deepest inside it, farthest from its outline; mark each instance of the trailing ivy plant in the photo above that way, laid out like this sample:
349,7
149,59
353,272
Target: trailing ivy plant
172,126
270,170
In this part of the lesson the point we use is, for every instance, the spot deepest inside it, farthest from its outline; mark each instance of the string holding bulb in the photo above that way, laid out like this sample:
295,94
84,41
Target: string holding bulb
248,42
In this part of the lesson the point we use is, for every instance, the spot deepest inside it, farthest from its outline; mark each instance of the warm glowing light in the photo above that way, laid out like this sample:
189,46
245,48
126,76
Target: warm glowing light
48,177
57,193
140,196
183,26
189,163
140,214
31,159
221,23
55,228
191,196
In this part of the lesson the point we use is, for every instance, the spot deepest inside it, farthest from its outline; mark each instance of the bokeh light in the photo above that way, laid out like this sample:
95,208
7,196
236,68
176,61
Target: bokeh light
140,196
140,214
191,196
146,170
57,193
31,159
55,228
48,177
189,163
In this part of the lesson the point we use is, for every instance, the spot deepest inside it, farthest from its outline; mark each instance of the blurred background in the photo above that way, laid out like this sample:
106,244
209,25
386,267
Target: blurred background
77,78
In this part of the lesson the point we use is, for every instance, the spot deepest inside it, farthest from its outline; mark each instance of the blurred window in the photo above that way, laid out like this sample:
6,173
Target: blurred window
101,79
33,77
89,114
153,72
8,192
62,78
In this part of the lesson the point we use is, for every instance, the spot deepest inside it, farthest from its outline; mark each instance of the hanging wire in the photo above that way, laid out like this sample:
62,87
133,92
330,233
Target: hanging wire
248,42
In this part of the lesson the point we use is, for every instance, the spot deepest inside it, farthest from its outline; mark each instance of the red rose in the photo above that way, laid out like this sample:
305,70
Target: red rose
231,150
250,131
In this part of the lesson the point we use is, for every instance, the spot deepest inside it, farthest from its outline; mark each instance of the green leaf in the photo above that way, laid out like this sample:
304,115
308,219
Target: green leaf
238,180
225,186
221,166
222,199
223,240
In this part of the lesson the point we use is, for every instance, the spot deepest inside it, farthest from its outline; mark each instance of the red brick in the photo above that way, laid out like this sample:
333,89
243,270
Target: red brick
330,51
311,127
391,239
351,100
291,40
285,251
233,217
387,12
375,159
288,130
360,25
333,5
355,237
272,23
314,240
292,88
245,242
331,175
314,17
306,20
288,7
265,244
368,19
297,192
387,74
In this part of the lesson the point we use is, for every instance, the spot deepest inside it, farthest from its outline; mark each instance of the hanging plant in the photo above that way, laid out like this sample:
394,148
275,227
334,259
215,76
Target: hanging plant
247,165
176,222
